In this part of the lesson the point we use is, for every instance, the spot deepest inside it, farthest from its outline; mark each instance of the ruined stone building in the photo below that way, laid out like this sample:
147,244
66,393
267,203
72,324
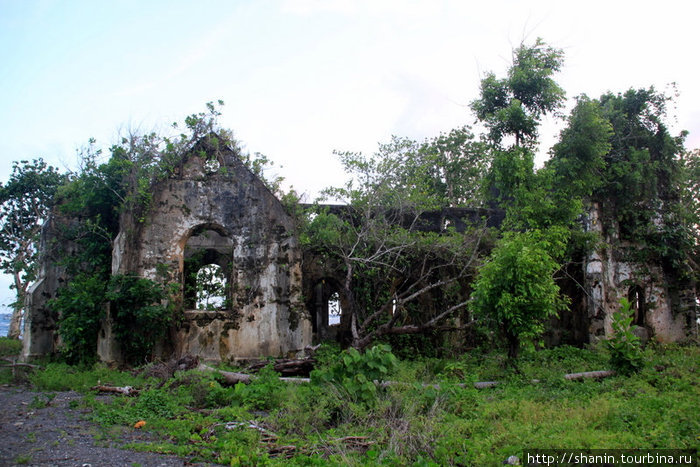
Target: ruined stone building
212,211
215,211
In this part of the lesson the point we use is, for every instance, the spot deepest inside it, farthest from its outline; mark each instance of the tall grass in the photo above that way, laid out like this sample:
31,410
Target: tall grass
430,417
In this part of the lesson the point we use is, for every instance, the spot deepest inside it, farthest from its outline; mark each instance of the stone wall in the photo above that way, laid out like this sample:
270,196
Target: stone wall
250,231
40,336
609,276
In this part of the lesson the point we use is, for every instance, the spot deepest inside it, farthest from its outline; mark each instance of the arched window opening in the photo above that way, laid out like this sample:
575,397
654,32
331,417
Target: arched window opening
334,309
638,304
207,269
211,288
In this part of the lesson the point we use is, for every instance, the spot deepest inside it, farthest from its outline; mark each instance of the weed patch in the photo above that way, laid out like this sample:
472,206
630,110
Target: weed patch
432,415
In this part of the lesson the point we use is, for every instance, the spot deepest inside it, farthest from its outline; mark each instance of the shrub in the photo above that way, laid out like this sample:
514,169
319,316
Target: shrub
80,307
10,347
263,393
624,346
140,318
356,373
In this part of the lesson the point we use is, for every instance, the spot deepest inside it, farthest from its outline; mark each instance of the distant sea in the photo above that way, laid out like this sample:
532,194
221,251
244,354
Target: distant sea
4,323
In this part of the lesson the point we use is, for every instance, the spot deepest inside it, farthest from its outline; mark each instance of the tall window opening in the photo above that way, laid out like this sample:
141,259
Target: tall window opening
638,304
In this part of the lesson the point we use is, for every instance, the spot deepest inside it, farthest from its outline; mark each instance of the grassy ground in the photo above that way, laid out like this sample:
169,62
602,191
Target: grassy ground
269,422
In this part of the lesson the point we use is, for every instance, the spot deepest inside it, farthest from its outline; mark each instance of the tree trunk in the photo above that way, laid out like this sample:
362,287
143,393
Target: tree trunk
14,331
17,310
513,346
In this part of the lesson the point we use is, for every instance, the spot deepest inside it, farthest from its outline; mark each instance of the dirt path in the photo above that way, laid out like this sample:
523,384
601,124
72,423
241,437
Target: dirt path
33,433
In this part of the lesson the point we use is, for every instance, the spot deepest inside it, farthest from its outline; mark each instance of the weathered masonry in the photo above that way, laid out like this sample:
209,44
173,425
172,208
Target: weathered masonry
664,309
213,212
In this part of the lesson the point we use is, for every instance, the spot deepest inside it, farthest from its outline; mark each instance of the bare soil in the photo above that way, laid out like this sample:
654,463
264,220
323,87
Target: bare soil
44,429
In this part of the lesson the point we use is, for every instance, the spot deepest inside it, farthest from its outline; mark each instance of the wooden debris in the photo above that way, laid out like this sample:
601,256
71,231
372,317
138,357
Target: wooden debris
267,438
14,364
231,378
125,390
287,367
286,451
590,374
165,370
356,442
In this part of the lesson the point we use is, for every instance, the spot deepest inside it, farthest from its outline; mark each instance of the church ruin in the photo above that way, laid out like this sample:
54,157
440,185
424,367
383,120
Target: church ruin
214,214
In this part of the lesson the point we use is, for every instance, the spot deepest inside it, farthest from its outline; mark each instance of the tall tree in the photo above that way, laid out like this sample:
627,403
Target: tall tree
25,201
515,289
514,105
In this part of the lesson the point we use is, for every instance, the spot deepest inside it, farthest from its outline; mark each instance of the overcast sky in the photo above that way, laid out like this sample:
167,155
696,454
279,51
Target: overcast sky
301,78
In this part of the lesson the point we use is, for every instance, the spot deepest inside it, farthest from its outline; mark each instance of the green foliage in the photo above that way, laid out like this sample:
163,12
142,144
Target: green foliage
211,288
514,106
515,291
379,240
63,377
357,373
555,195
10,347
624,346
644,182
424,417
442,171
80,307
25,201
263,393
579,156
140,318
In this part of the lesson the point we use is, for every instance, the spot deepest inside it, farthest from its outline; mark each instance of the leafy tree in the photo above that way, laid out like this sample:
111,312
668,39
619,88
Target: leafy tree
515,291
625,346
141,319
390,261
211,288
450,166
689,210
511,109
25,202
556,194
514,105
80,305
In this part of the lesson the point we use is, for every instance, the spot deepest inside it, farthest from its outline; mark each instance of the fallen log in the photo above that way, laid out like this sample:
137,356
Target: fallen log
125,390
230,377
287,367
590,374
233,378
13,363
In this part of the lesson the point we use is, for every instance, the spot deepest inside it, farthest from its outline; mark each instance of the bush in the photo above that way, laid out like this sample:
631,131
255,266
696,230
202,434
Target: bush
10,347
624,346
356,373
263,393
80,307
140,318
